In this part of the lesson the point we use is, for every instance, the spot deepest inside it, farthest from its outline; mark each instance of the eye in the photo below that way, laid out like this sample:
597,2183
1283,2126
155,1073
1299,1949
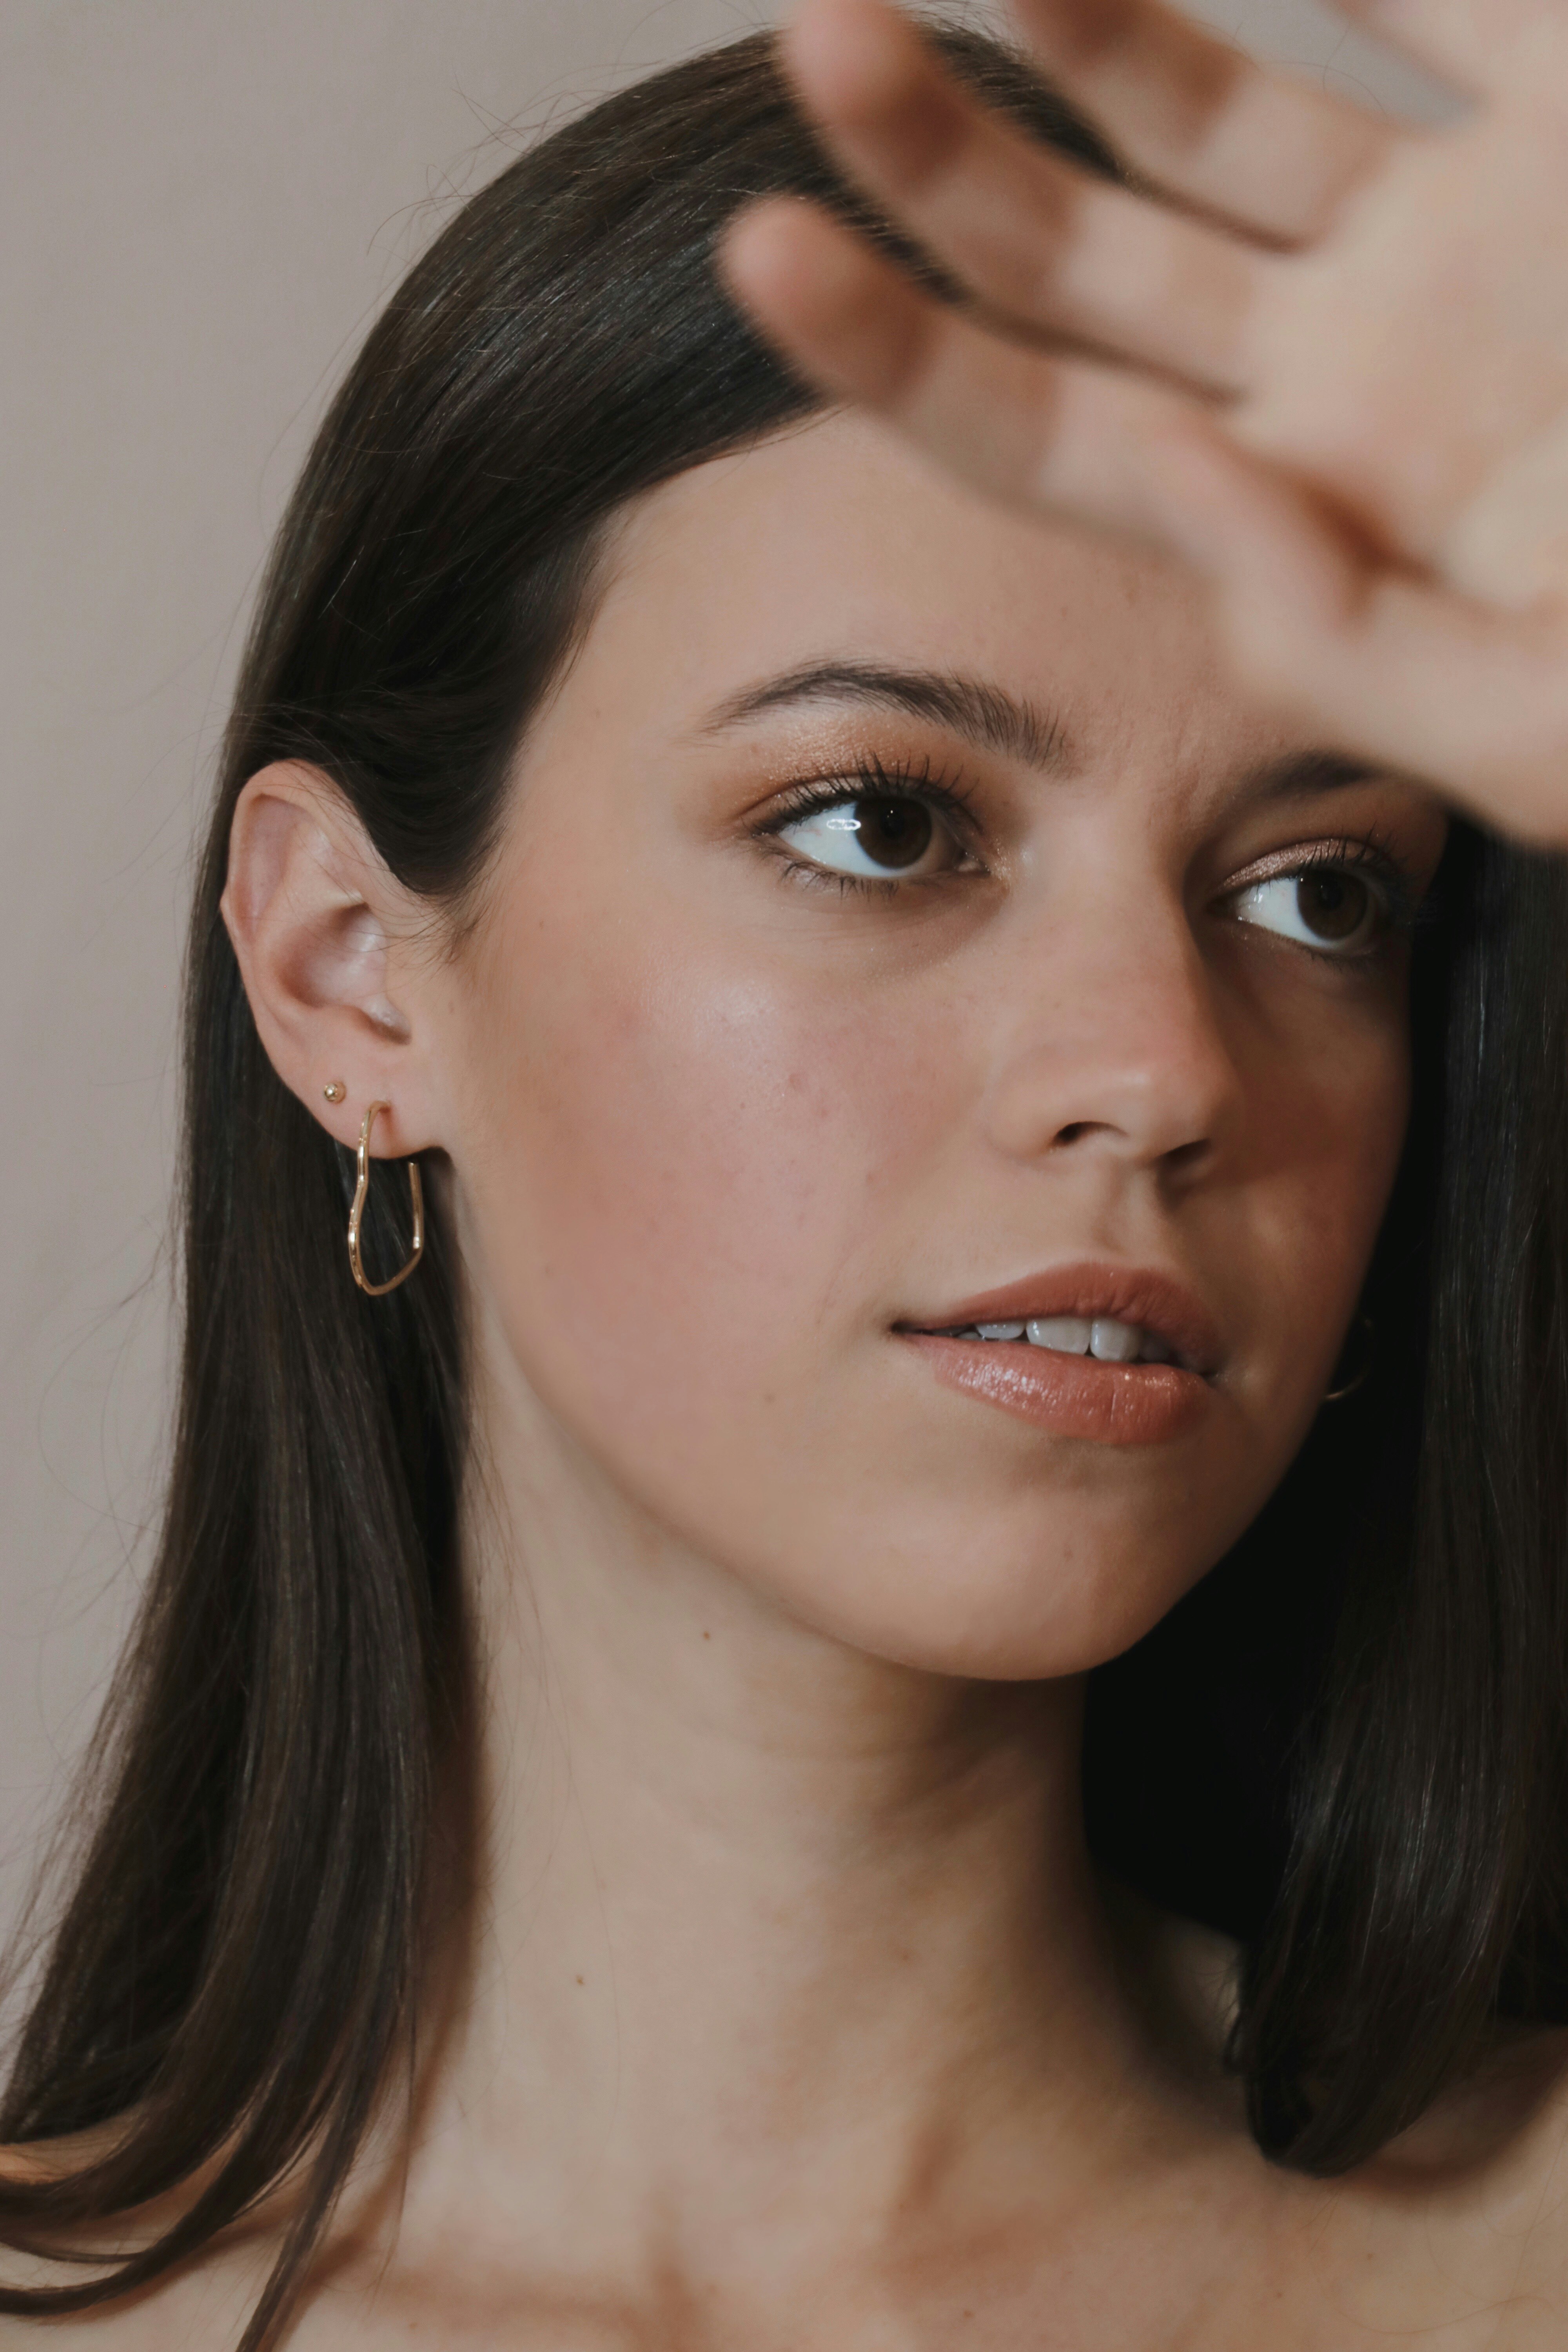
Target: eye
1331,908
877,836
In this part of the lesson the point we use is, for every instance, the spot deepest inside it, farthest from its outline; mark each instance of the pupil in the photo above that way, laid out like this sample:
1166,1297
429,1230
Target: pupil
894,833
1332,906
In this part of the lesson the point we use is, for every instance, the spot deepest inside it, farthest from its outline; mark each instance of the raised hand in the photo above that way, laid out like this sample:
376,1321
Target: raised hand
1328,361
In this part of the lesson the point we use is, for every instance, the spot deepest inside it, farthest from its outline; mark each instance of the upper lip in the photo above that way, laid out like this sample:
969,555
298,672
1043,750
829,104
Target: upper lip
1130,1294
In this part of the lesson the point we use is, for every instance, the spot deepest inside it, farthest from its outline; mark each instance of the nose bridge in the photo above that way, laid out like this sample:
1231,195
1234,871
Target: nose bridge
1115,1040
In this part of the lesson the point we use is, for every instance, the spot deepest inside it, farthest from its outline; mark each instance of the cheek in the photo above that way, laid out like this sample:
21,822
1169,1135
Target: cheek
677,1179
1329,1129
698,1172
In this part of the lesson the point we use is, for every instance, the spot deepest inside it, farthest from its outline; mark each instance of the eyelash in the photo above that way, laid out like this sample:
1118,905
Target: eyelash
870,778
1369,854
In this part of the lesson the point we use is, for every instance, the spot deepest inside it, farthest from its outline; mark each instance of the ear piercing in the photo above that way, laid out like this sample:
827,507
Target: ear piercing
416,1202
335,1092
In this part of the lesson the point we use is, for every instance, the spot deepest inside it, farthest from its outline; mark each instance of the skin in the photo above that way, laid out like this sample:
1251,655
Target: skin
1341,385
782,2008
781,2005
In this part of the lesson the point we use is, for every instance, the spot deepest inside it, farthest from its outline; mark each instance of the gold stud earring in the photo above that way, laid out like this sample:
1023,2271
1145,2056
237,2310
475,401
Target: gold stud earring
380,1289
335,1091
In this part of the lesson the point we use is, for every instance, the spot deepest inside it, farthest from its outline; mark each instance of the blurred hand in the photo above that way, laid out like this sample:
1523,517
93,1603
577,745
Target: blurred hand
1326,361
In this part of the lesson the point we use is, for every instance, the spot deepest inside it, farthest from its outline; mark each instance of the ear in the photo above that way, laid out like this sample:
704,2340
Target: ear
323,931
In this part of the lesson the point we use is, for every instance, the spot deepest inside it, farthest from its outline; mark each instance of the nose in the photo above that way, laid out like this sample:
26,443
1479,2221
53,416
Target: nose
1113,1045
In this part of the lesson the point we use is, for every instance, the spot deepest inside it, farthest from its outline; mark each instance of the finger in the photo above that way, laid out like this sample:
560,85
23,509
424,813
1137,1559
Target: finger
1040,241
1037,432
1203,120
1377,663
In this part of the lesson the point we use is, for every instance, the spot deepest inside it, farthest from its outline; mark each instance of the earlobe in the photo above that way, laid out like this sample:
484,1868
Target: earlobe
310,911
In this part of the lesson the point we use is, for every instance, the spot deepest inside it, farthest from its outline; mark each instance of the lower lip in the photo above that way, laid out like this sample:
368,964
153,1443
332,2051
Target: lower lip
1074,1396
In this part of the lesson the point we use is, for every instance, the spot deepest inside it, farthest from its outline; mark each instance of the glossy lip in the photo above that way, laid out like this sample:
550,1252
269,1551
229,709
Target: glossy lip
1071,1396
1079,1396
1140,1295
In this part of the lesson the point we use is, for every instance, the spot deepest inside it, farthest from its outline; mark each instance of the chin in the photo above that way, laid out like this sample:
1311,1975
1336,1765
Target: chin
999,1610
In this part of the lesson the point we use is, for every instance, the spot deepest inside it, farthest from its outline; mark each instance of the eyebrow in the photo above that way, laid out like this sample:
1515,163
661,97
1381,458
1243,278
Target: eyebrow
988,715
1300,775
982,714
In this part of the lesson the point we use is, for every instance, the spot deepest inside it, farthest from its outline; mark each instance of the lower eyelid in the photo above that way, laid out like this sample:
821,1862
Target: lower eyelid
806,870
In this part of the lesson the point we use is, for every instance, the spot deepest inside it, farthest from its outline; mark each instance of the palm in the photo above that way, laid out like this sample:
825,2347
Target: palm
1416,358
1337,363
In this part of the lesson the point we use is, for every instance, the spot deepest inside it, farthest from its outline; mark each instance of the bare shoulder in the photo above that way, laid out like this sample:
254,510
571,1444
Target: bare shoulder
1497,2139
203,2304
1459,2230
1455,2235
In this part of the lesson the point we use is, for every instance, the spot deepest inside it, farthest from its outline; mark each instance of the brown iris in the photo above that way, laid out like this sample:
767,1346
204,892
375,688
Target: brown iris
1332,905
893,833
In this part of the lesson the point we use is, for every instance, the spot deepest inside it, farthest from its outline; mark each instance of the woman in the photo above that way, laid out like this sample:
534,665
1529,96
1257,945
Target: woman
923,1116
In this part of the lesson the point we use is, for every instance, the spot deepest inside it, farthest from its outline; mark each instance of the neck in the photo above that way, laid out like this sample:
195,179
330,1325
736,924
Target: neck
759,1924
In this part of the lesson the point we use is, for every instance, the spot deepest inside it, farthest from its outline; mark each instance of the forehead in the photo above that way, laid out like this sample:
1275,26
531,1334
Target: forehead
832,540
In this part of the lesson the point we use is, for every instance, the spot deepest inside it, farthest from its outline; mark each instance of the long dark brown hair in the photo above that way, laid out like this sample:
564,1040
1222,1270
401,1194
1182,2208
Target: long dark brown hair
1366,1701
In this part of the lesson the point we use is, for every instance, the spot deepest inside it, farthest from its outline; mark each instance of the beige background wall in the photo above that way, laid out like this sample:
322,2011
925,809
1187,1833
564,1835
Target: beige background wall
203,202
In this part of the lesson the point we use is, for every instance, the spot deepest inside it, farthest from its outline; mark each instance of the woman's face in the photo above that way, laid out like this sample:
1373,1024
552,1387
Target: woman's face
899,926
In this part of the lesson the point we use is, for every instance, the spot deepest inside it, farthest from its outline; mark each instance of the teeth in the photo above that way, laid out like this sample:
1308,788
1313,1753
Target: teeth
1067,1334
1113,1343
1102,1336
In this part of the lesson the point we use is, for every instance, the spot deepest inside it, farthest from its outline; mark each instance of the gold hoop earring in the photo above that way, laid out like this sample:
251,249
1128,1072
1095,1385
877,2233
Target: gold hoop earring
380,1289
1337,1396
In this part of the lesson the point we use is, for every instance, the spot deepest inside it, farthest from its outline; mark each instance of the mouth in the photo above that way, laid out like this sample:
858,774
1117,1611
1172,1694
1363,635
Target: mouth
1120,1355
